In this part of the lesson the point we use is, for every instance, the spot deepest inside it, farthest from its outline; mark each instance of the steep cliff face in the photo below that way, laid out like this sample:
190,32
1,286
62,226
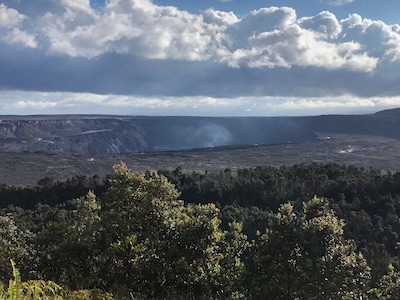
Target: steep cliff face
94,134
79,135
116,134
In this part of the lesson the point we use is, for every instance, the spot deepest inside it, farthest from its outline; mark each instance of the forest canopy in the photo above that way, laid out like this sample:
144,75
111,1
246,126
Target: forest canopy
294,232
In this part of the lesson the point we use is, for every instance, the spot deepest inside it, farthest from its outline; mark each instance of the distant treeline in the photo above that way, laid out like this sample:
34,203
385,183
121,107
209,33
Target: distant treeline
319,231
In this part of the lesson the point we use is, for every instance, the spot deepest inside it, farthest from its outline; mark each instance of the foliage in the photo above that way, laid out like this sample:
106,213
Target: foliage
140,238
388,287
159,245
305,256
44,290
33,289
15,244
156,235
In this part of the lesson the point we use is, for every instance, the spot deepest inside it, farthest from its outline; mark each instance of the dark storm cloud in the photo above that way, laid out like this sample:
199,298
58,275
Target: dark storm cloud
31,70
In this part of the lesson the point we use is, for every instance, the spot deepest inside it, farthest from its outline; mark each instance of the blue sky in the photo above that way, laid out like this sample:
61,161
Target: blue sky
213,58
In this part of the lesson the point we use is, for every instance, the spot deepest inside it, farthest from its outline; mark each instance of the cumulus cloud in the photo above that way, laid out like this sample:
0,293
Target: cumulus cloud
131,27
295,46
269,37
11,22
136,47
220,18
381,40
9,17
325,25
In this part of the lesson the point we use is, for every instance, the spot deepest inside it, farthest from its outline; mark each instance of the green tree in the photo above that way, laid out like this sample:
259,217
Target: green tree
388,287
305,256
378,259
15,244
68,250
157,246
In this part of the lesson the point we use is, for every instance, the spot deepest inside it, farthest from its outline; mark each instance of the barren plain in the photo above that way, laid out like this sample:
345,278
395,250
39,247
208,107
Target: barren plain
366,151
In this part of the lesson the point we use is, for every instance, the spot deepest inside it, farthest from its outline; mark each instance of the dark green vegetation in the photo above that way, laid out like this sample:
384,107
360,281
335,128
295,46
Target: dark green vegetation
319,231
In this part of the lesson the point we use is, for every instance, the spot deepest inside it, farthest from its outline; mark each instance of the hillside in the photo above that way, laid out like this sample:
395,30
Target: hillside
33,147
116,134
102,134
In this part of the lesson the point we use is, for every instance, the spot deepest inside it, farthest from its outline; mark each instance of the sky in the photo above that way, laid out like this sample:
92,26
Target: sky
200,58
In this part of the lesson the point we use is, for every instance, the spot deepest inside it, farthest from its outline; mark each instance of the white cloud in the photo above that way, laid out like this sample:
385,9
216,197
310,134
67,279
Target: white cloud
36,105
300,47
136,47
325,25
269,37
35,102
337,2
221,18
387,101
306,104
11,22
17,36
379,39
132,27
10,17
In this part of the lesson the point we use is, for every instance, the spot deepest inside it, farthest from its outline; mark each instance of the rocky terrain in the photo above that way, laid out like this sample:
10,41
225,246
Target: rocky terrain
70,134
117,134
100,134
32,147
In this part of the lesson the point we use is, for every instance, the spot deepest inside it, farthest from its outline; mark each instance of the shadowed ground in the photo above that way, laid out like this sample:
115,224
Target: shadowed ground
361,150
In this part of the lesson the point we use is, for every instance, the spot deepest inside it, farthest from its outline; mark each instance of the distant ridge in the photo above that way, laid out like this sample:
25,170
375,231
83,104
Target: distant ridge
389,113
111,134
